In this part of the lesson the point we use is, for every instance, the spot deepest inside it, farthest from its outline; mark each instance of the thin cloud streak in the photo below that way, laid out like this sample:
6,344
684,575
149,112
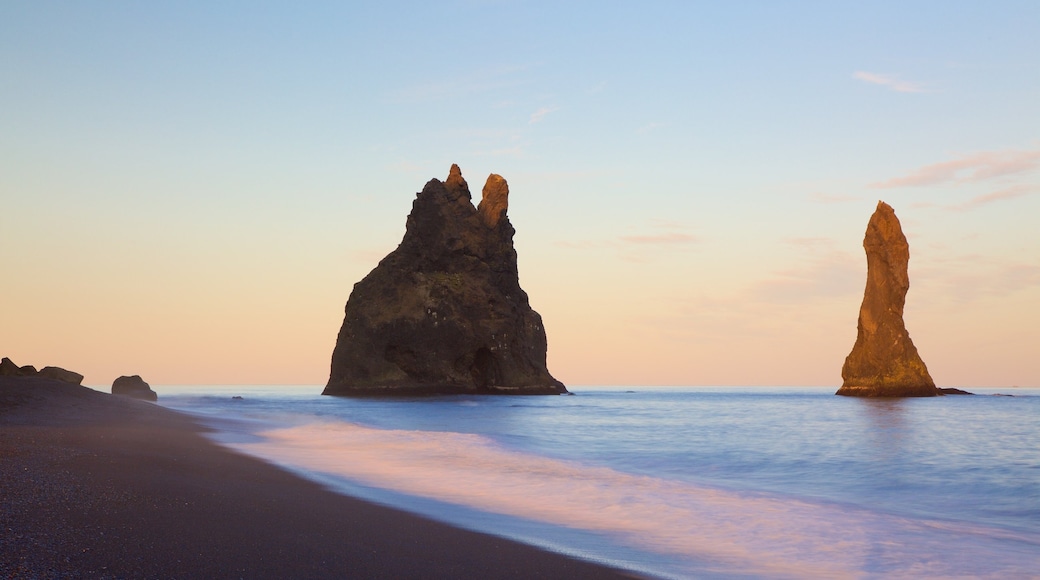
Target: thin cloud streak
826,198
649,127
999,195
668,237
968,278
478,82
540,114
514,151
826,273
672,238
974,168
890,82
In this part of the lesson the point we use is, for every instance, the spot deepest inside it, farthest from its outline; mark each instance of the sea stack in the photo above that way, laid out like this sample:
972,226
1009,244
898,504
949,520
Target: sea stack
444,313
884,361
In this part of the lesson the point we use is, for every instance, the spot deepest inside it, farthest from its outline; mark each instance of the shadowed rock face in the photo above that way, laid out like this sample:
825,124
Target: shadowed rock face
135,387
884,361
444,313
60,374
9,368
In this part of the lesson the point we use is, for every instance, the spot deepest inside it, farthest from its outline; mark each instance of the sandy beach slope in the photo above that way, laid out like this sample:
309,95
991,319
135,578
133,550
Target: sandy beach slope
98,486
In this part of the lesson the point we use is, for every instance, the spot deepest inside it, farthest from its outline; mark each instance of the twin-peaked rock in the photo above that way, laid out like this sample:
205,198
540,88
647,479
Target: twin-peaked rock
444,312
884,361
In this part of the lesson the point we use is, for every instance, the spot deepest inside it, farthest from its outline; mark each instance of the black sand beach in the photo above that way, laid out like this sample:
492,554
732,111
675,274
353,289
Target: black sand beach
98,486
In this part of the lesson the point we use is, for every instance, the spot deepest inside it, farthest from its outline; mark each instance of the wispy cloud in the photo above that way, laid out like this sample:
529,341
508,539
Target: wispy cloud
649,127
582,244
971,168
827,198
963,278
811,243
999,195
668,238
477,82
667,233
890,82
514,151
540,114
825,273
405,167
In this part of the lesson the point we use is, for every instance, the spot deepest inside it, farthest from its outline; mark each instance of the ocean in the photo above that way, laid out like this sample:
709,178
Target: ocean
727,482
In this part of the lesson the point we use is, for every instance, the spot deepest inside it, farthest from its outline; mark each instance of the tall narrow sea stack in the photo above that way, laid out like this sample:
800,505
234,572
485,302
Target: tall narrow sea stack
444,313
884,361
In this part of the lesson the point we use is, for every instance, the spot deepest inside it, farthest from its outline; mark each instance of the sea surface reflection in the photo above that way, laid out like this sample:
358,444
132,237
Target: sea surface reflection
726,482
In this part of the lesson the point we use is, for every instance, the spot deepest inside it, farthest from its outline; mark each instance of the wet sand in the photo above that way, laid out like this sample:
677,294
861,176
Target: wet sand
98,486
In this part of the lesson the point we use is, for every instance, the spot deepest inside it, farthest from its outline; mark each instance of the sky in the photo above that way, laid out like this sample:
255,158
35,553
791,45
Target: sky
189,190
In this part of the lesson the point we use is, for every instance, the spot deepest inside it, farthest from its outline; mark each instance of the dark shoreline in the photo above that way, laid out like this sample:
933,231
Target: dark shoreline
100,486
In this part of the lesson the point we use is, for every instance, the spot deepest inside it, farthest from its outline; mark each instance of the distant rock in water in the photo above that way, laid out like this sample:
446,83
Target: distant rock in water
953,391
135,387
444,313
884,361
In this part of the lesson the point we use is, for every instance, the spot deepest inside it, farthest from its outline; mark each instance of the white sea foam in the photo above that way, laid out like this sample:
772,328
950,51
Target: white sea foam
717,531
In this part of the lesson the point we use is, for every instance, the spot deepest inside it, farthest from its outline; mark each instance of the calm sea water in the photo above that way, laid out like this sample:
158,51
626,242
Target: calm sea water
681,482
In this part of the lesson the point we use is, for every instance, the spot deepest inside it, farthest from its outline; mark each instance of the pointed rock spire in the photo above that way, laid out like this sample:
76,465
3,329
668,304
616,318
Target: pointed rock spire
455,183
494,200
884,361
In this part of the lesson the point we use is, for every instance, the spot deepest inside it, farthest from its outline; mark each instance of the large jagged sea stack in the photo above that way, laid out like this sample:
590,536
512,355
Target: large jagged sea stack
884,361
444,313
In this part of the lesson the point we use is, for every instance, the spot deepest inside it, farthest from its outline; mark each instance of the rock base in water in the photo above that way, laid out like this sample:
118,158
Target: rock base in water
884,361
953,391
444,313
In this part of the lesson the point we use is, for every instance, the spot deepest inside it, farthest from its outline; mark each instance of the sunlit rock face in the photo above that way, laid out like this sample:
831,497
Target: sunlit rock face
884,361
444,313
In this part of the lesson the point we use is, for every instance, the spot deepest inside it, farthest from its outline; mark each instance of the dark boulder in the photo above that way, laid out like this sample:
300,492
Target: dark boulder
884,361
8,368
444,313
133,386
60,374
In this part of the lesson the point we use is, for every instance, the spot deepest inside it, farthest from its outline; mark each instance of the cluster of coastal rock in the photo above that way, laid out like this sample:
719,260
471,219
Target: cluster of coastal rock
127,386
444,312
9,369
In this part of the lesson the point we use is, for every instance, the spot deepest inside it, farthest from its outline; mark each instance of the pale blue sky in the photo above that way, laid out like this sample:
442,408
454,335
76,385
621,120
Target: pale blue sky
690,181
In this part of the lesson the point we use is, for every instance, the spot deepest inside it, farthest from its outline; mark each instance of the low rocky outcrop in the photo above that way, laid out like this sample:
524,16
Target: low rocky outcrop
60,374
9,369
884,361
135,387
444,313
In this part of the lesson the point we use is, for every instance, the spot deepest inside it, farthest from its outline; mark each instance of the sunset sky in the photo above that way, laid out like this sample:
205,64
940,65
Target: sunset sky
190,189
